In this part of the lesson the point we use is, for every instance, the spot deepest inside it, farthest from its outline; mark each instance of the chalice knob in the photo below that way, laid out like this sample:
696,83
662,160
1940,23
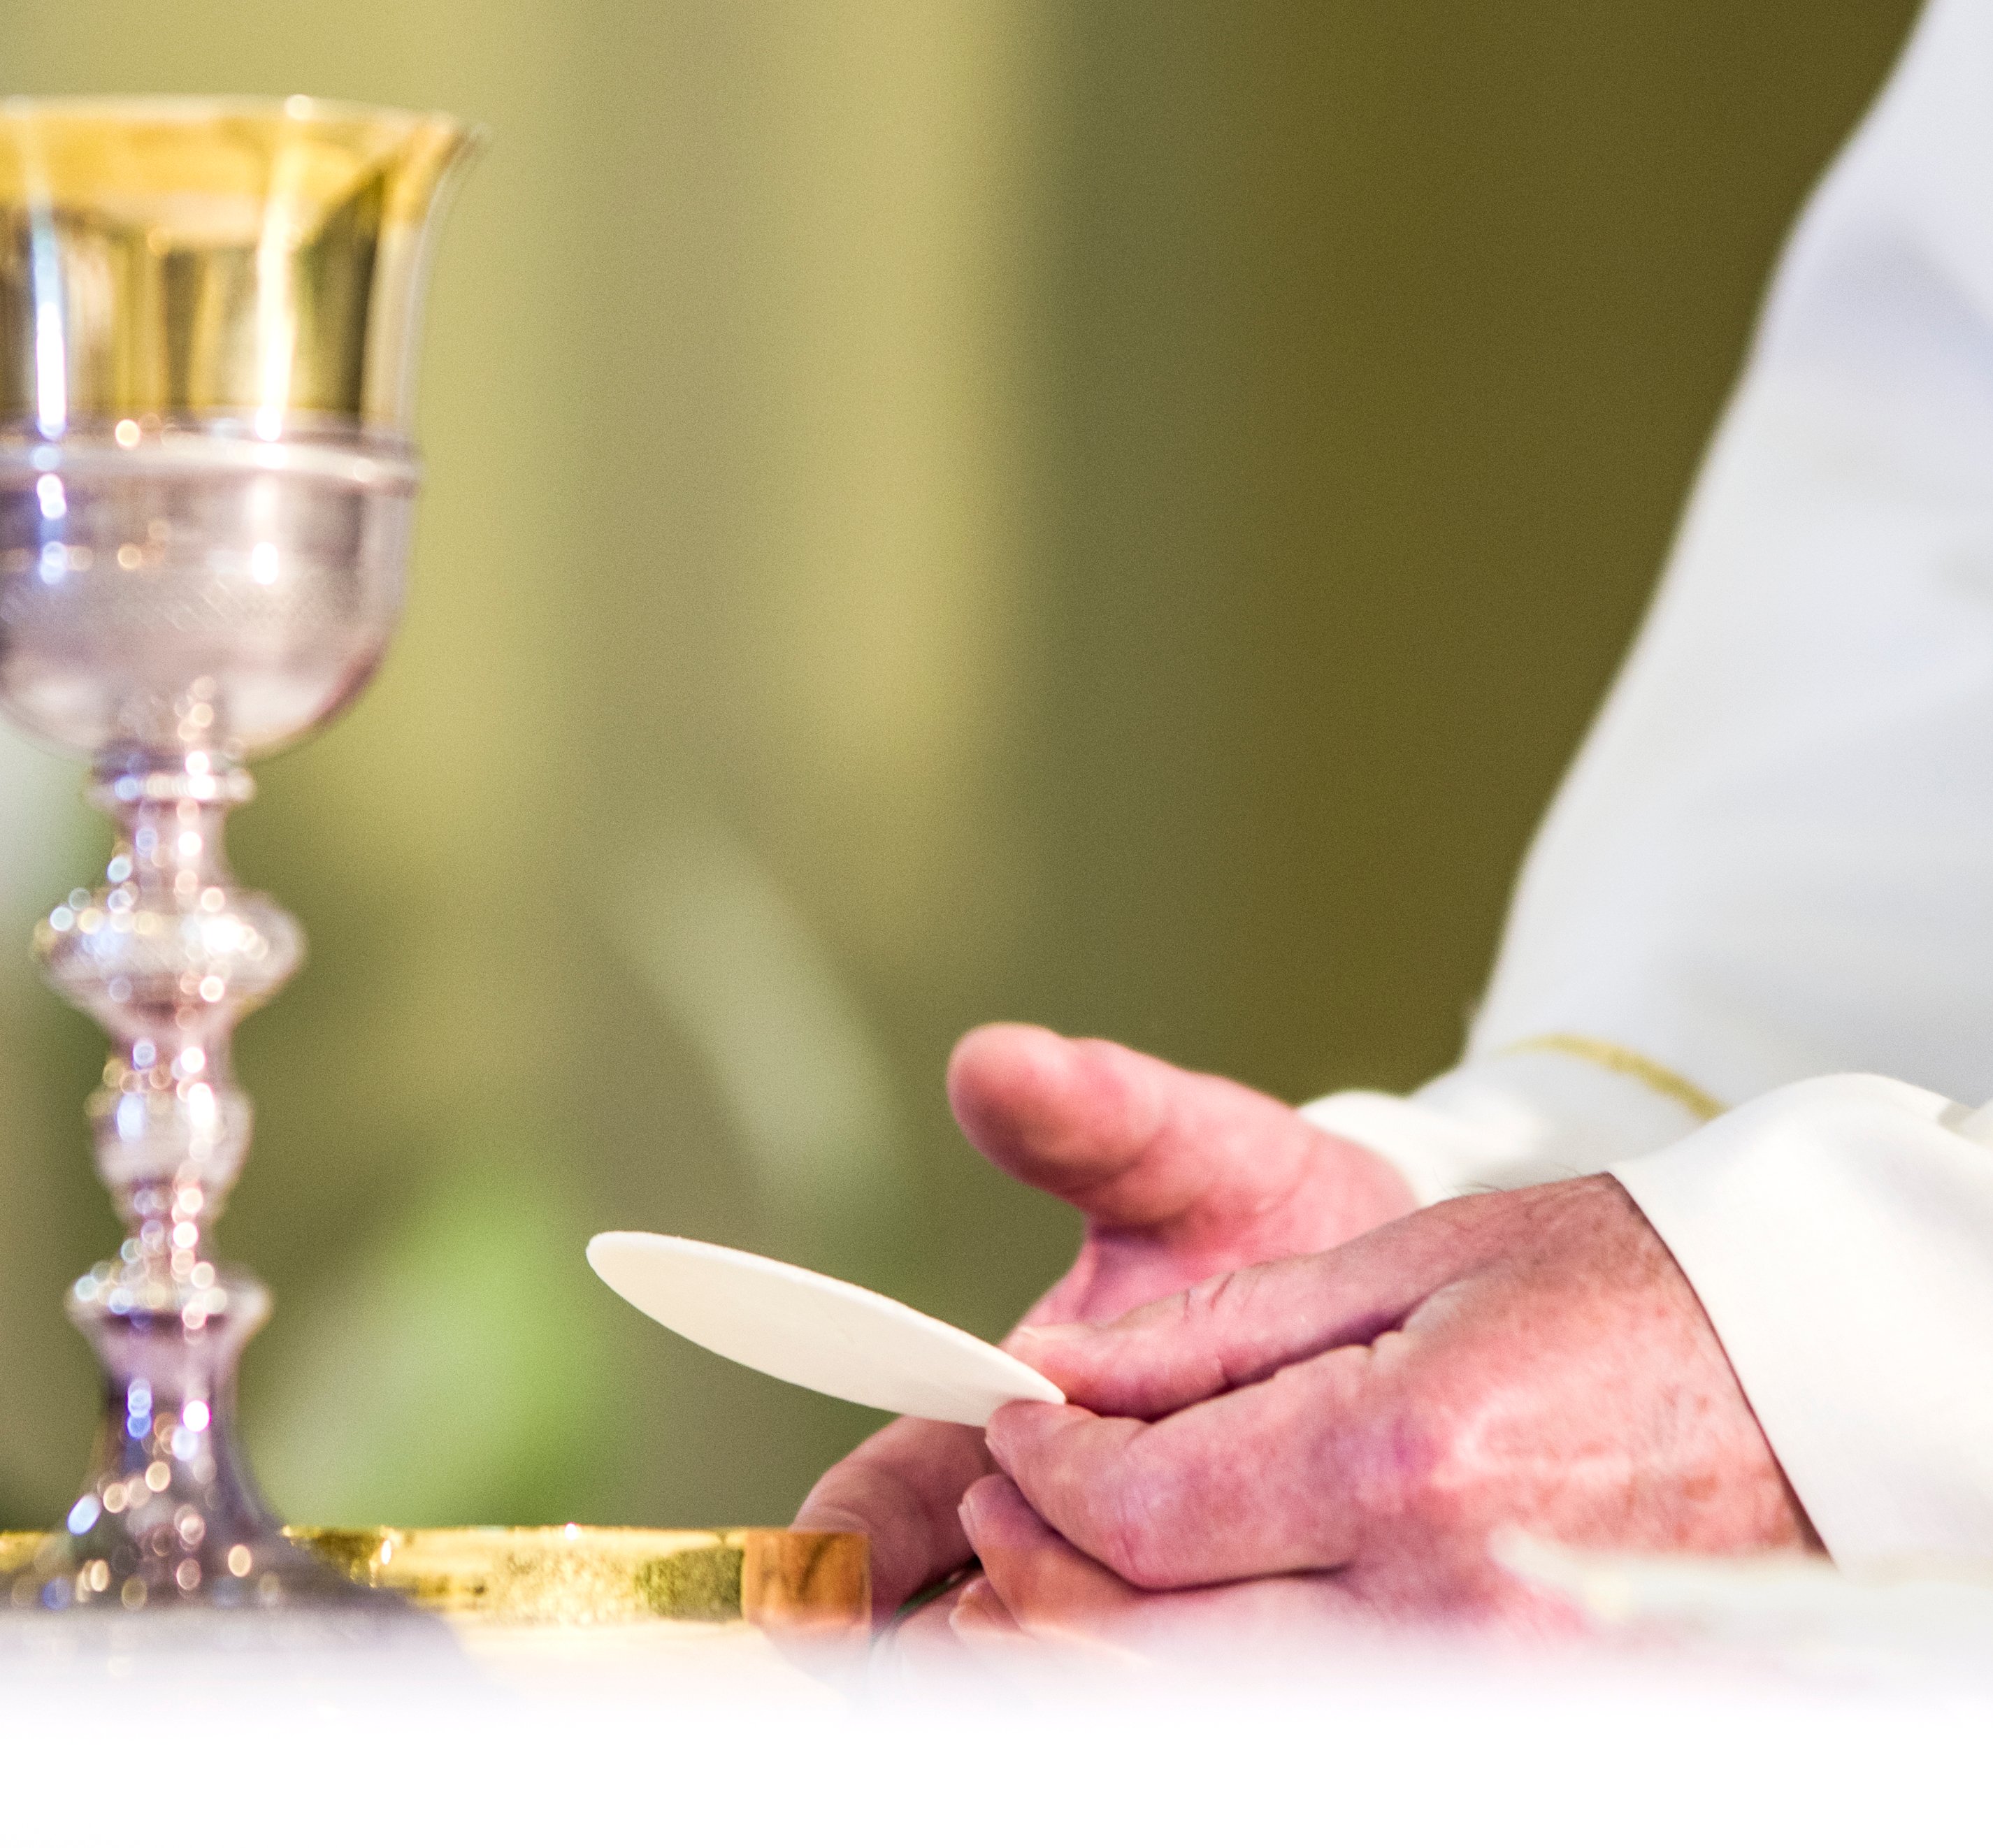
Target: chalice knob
208,318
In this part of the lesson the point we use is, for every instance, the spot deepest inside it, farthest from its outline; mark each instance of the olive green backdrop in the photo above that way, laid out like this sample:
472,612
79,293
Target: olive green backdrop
1112,512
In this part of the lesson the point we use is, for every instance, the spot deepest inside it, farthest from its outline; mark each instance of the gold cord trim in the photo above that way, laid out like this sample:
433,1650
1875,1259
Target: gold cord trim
1629,1063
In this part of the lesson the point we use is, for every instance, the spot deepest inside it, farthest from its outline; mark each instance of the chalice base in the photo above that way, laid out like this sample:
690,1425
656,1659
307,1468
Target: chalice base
170,1515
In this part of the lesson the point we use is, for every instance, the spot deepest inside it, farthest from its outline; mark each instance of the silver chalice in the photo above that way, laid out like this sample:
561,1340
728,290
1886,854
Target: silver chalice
209,310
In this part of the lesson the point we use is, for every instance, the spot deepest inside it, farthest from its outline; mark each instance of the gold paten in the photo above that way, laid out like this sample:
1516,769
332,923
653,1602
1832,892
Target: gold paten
771,1577
206,258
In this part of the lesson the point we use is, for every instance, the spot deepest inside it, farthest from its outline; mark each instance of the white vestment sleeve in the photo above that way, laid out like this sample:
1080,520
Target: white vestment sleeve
1773,857
1840,1234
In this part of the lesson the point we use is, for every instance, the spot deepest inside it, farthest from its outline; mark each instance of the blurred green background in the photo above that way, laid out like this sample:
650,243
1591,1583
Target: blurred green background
1112,512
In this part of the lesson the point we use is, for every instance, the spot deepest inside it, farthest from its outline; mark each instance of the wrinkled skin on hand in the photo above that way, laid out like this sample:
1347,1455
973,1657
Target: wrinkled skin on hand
1338,1436
1182,1177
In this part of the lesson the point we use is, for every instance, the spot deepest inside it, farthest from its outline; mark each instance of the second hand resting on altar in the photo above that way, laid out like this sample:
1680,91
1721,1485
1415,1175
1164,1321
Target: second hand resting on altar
1639,1272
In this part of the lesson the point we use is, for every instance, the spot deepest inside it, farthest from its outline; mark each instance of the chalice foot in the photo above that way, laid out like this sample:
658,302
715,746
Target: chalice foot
169,1513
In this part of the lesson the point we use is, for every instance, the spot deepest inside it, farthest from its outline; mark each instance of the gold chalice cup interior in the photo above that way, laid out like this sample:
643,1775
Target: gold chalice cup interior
198,258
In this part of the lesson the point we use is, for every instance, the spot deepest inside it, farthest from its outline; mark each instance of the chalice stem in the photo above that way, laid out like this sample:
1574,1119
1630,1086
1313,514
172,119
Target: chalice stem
166,955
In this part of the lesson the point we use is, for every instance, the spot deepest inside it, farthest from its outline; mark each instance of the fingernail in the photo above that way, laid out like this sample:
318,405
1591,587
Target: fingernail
1051,1331
965,1511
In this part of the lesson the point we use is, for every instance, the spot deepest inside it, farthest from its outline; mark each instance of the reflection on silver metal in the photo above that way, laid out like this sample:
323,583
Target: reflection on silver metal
207,317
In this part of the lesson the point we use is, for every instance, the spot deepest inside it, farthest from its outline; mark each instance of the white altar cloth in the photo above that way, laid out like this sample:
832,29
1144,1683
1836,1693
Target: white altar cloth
1815,1715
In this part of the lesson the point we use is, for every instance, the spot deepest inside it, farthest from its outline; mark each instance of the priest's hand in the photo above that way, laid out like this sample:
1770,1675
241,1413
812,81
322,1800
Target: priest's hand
1182,1177
1340,1436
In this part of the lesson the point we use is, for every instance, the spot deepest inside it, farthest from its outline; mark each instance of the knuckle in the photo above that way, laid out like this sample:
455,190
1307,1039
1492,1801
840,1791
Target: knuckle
1213,1308
1226,1294
1197,1308
1416,1471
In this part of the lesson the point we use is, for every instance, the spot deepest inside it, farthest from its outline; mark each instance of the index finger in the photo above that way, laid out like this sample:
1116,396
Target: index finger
1243,1326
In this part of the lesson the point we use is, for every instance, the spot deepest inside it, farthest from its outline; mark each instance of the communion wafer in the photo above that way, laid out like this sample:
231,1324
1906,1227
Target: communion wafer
833,1336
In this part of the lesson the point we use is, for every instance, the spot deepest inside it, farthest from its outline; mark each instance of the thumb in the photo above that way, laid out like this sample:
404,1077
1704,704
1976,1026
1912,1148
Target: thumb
1245,1325
1128,1140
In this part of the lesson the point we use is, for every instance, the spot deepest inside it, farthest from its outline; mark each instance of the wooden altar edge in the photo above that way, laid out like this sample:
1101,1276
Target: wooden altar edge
772,1578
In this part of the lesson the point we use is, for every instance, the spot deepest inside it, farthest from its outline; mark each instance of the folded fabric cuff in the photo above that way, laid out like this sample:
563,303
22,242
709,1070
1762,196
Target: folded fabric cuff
1839,1233
1543,1111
